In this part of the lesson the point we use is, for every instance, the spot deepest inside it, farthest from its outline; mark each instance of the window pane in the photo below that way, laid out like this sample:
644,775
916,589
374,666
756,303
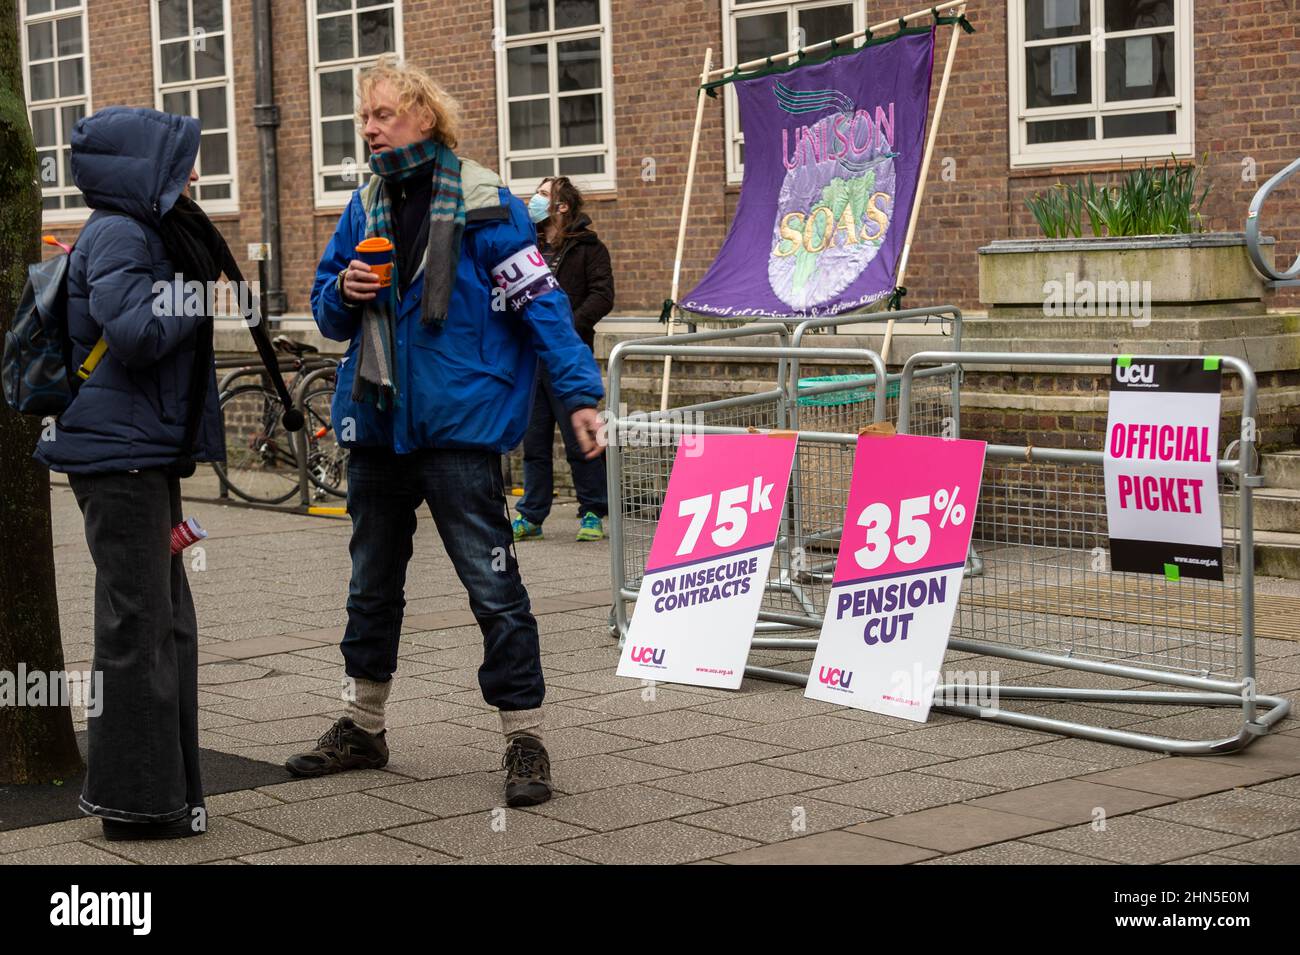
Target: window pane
47,165
1062,130
215,191
530,125
72,80
760,36
74,202
1139,124
338,141
51,202
825,23
1138,14
1140,67
333,6
526,70
43,128
525,16
178,103
580,120
576,13
1045,19
336,93
67,4
1058,75
578,64
334,38
173,19
214,154
345,183
37,6
532,169
210,57
175,58
208,15
69,29
40,41
375,32
581,165
212,108
42,82
68,118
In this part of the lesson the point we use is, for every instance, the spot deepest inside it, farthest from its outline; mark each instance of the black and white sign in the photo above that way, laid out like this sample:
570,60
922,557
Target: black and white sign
1162,486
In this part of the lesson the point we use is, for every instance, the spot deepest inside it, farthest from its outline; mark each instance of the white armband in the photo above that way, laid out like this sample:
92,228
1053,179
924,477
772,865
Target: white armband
523,277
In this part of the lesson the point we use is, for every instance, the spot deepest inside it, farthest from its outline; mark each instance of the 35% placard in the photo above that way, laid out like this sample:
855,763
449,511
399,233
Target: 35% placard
910,542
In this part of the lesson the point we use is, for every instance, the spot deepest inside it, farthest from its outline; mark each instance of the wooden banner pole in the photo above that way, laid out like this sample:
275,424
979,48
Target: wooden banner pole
920,181
686,207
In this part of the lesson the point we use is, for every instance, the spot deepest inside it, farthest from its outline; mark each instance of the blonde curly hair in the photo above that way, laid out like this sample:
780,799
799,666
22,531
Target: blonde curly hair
416,93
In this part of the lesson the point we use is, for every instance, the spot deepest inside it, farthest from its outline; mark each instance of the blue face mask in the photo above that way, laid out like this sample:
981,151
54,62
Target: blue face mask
539,208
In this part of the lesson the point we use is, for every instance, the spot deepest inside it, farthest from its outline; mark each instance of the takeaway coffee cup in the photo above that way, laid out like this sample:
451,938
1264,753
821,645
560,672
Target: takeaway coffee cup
377,252
185,533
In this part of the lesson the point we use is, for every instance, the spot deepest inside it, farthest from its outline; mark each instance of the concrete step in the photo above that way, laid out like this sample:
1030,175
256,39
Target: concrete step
1281,469
1276,509
1277,554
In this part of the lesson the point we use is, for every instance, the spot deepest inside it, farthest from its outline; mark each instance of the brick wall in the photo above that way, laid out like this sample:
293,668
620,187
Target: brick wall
1247,98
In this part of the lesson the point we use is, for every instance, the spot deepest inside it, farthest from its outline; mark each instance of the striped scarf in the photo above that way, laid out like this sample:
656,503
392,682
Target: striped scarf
375,381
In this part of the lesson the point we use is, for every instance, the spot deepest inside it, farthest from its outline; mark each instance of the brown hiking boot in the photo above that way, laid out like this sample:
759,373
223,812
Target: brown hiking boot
528,771
344,746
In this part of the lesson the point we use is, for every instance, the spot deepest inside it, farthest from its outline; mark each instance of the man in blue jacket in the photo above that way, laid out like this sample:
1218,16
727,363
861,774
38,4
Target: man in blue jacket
435,387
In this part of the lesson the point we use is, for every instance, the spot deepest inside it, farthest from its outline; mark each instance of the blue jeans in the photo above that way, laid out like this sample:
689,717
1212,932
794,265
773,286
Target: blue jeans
466,497
539,473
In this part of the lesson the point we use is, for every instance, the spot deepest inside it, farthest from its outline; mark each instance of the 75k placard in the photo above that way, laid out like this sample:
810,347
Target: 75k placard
704,579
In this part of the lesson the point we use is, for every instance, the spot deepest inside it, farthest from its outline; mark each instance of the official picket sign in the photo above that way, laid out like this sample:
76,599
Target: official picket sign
907,531
1162,484
704,579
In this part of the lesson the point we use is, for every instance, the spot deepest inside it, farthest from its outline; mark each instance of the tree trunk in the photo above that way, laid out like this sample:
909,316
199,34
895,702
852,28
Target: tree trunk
37,744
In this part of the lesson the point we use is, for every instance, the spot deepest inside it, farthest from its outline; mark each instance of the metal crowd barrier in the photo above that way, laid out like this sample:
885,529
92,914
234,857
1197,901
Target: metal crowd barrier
1035,594
1044,595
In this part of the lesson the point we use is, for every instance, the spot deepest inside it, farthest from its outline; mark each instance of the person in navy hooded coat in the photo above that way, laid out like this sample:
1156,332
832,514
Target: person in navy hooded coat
147,412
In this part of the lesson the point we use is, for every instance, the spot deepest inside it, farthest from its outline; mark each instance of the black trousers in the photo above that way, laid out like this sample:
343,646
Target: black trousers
143,747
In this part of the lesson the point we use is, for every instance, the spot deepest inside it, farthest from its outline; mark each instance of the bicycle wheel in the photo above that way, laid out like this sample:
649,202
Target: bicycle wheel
327,462
260,465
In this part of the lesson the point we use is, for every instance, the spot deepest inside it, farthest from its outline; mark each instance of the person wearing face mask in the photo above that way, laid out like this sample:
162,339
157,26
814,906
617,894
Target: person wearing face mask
581,264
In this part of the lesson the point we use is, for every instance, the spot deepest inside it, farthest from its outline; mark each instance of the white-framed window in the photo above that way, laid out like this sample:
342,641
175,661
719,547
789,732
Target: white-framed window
193,76
345,36
758,28
1099,80
555,102
57,74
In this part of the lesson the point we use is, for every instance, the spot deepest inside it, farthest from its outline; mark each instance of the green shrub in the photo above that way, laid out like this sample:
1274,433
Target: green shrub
1148,201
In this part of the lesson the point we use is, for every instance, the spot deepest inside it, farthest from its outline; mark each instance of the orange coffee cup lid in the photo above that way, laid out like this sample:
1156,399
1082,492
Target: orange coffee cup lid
375,243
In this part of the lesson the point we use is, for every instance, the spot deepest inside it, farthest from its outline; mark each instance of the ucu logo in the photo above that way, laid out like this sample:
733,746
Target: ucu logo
1133,374
647,655
835,677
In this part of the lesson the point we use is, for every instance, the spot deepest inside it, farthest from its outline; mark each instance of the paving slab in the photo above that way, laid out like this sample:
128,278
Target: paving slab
830,848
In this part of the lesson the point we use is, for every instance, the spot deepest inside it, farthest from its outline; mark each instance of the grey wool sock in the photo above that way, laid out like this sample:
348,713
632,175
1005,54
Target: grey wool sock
520,722
367,708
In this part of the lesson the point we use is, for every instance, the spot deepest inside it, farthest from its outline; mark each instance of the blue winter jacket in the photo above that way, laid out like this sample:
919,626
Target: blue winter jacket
131,412
470,384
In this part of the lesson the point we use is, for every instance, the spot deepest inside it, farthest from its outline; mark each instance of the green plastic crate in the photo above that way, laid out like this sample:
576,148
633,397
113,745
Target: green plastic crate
849,396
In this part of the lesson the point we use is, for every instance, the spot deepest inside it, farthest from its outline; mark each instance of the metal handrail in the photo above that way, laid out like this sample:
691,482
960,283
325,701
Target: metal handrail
1275,278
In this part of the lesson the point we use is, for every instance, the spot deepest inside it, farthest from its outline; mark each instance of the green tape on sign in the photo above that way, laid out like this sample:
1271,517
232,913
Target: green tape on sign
1171,571
1212,364
1124,361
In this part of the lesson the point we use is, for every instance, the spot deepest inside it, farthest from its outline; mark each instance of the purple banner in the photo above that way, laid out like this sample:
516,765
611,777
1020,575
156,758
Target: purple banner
832,153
